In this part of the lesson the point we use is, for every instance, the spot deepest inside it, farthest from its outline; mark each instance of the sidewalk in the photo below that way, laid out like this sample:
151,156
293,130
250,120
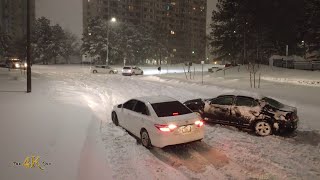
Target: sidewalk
38,124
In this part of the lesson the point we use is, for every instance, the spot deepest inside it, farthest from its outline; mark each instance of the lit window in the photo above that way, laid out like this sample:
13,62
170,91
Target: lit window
172,32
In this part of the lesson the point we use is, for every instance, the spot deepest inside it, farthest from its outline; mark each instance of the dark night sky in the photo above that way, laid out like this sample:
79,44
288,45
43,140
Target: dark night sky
68,13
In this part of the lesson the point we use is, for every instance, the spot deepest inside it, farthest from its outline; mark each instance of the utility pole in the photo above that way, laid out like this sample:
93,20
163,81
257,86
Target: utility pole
244,47
107,60
28,48
244,43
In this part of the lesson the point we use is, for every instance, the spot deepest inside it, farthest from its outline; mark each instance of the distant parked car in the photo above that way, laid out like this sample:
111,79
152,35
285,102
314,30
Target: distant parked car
264,115
129,71
215,68
15,64
159,121
104,69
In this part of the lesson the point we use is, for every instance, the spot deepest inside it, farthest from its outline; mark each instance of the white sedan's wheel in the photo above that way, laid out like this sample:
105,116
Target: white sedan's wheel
263,128
145,139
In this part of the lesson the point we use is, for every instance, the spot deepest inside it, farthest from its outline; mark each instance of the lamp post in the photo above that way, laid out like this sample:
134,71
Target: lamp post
28,48
113,20
304,49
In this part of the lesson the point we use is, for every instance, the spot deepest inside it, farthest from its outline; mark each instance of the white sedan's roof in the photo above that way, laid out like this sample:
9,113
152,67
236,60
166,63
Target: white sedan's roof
244,93
155,99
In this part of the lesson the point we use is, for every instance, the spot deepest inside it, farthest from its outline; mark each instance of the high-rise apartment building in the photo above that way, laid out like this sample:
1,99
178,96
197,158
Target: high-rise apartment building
182,21
13,17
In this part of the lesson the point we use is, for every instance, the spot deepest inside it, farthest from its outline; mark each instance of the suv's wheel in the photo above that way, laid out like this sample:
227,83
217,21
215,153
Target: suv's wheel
94,71
115,118
145,139
263,128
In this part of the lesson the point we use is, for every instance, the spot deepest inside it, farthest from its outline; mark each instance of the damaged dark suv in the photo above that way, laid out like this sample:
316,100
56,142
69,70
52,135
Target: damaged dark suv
261,114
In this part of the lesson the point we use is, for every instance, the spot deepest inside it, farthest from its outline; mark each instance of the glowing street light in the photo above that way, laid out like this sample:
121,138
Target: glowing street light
113,20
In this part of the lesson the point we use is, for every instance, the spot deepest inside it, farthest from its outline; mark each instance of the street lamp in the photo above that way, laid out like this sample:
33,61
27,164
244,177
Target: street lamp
113,20
304,48
28,48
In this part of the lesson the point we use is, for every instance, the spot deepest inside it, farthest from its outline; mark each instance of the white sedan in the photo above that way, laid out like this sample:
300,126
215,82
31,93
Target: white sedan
103,69
159,121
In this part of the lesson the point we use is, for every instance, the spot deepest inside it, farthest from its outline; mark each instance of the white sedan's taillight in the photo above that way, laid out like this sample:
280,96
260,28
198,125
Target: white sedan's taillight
198,123
166,128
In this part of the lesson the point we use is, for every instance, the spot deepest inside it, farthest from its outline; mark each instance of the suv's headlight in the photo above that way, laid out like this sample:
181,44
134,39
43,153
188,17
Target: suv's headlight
17,65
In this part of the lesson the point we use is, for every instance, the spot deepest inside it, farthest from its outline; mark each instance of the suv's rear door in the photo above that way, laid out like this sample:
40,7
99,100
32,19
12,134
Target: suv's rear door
219,108
244,110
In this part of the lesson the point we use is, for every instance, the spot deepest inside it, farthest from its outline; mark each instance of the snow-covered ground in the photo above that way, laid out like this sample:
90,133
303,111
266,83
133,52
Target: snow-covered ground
66,120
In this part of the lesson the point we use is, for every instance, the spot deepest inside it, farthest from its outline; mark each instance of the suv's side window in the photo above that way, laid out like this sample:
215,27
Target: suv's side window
245,101
223,100
129,105
141,108
255,103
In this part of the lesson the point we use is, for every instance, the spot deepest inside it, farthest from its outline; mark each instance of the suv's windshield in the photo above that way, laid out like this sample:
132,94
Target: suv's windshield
127,68
273,102
173,108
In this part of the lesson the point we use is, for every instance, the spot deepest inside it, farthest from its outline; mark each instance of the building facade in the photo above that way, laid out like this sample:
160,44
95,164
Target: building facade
13,17
182,21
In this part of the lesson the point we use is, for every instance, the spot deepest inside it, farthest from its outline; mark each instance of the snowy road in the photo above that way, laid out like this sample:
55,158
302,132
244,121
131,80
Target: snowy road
225,153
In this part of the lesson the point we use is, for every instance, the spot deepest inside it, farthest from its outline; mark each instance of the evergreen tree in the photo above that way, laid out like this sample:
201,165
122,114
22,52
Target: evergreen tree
254,29
135,43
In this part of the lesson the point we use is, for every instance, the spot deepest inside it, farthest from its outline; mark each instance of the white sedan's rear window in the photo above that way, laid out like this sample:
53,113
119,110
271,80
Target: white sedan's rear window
166,109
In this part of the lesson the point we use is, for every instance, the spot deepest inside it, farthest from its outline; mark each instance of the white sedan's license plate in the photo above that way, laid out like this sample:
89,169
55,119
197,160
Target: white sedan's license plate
185,129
